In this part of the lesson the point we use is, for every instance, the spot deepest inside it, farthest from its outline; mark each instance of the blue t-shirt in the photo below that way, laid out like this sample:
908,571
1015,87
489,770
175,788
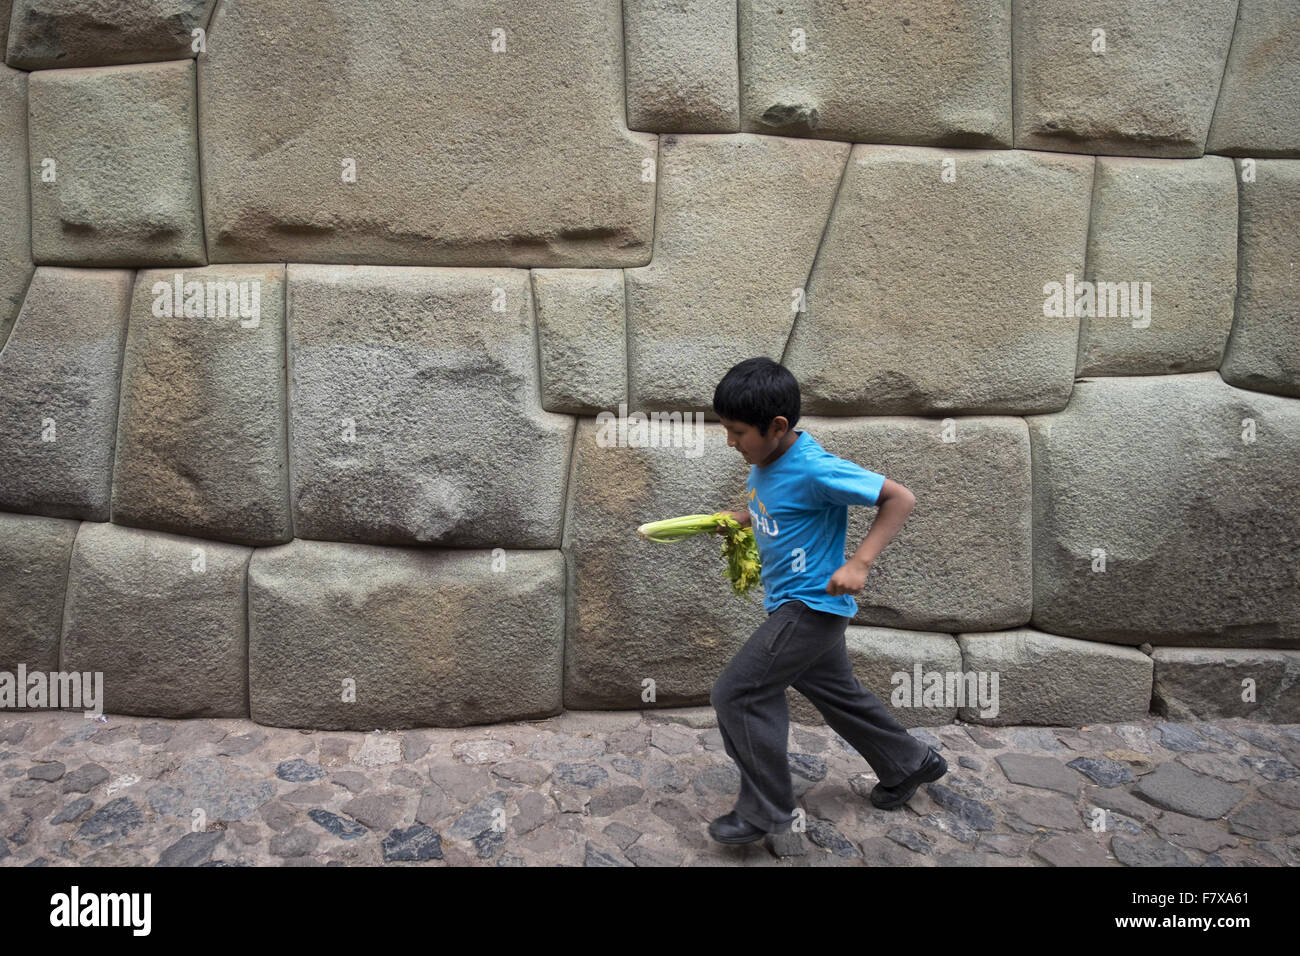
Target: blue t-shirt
798,508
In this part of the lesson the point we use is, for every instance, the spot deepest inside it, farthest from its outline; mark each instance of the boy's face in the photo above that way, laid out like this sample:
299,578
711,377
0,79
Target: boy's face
753,445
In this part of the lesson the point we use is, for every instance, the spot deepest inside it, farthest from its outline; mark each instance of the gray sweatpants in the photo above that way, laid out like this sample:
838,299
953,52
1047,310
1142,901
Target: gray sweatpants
803,647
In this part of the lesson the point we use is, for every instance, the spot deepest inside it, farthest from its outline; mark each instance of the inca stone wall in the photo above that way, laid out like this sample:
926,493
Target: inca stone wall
313,315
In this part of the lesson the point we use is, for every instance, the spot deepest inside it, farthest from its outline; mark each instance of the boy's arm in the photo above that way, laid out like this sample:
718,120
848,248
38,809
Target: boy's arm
895,503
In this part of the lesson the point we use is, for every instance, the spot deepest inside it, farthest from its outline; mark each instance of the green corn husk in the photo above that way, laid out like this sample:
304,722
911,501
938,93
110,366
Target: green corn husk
739,547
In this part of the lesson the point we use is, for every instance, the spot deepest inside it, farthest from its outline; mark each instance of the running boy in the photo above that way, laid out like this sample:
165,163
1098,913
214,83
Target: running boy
798,496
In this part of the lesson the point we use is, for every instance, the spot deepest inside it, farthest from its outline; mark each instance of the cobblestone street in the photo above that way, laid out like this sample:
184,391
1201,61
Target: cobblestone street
632,788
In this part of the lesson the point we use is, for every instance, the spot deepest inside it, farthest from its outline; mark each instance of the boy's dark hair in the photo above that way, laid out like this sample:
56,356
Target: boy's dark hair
757,390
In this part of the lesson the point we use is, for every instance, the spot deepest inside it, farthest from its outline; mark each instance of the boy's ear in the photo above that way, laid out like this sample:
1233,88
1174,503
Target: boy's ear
777,427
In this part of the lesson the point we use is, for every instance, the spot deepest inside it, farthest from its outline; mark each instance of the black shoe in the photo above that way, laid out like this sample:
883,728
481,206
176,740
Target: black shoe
931,769
733,828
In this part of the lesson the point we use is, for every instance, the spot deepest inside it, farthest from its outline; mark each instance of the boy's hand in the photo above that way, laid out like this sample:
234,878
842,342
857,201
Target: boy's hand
852,576
742,517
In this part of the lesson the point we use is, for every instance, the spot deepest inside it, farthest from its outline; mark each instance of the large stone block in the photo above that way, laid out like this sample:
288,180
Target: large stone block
59,376
414,637
1211,683
125,167
1164,512
962,559
738,225
34,555
885,662
1263,351
1164,241
62,33
201,441
639,610
415,409
1060,681
162,617
481,133
582,335
1258,111
930,72
682,68
928,293
15,222
1116,77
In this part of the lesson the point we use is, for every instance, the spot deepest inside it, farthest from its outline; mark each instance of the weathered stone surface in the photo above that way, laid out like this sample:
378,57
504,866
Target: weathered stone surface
1150,92
901,319
682,66
940,573
193,849
414,402
201,440
1107,773
58,407
125,147
1208,683
1167,227
1071,849
429,638
626,623
162,616
1136,852
934,73
34,555
15,226
1048,679
1044,772
1173,787
49,34
718,256
1193,833
294,88
1201,545
582,337
1258,113
1263,351
878,654
1264,820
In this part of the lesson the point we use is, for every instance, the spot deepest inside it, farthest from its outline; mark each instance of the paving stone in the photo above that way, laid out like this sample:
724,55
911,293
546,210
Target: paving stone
1287,794
480,817
527,772
970,763
785,845
622,834
1046,773
309,796
672,740
46,771
73,811
1005,844
353,780
26,788
238,745
1263,820
1193,833
1268,768
299,771
416,843
977,815
807,766
1107,773
628,766
151,734
595,856
342,828
535,809
1173,787
1138,852
588,775
912,839
111,822
85,778
616,798
666,778
461,782
827,836
1180,738
193,849
1043,810
1065,849
1222,766
949,823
